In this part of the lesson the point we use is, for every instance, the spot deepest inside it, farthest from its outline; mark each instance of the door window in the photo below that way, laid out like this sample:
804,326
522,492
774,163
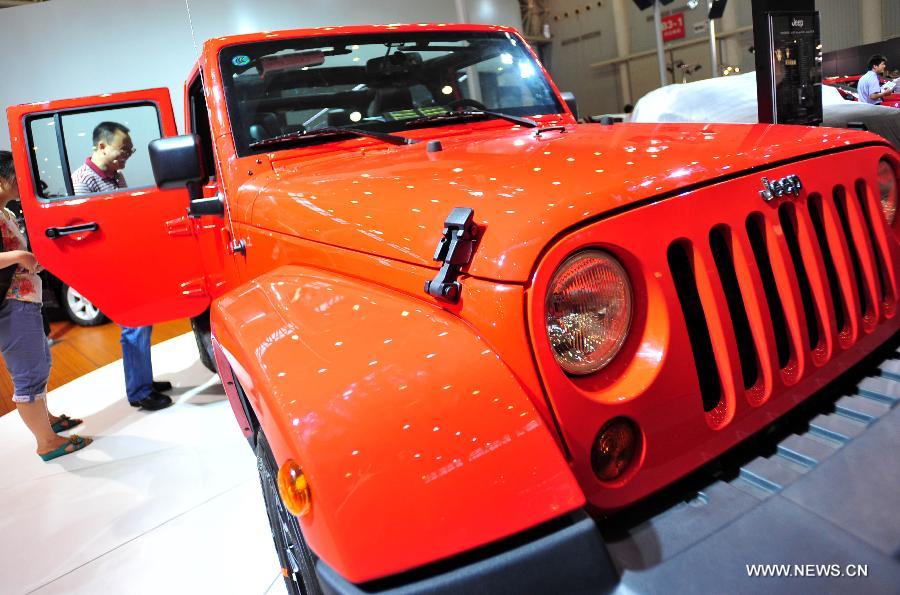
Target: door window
62,143
48,169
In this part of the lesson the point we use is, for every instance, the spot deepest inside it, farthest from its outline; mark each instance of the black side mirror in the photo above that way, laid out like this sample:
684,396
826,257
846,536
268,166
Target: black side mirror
177,162
569,98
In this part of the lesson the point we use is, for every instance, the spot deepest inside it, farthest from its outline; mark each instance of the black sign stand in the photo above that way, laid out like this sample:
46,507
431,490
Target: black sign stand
788,61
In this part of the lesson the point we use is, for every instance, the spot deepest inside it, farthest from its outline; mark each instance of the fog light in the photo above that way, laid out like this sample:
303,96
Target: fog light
614,448
294,489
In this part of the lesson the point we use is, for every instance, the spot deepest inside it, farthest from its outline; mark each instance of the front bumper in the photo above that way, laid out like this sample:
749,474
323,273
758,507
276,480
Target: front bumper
567,556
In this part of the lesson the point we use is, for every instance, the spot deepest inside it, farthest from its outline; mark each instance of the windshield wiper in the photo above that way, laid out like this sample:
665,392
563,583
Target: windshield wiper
393,139
459,114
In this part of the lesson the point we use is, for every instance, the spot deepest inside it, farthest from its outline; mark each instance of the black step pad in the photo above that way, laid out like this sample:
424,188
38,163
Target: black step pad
836,427
772,474
806,450
881,389
891,368
861,408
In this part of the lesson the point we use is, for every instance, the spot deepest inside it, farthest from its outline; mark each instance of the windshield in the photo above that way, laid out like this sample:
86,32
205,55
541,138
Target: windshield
384,82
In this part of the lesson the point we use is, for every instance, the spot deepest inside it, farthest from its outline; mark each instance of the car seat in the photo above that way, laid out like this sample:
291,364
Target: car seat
264,125
339,117
391,99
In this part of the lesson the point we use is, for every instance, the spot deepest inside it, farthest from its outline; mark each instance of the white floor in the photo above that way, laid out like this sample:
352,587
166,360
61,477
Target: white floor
163,502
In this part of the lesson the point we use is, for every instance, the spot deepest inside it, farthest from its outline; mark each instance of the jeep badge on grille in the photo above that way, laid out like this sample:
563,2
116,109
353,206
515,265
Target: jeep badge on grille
786,185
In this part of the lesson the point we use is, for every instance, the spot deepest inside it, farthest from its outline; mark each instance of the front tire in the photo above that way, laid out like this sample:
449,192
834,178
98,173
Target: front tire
79,309
297,564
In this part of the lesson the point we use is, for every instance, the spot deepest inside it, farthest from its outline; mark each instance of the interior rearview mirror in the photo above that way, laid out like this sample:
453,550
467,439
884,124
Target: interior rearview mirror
396,64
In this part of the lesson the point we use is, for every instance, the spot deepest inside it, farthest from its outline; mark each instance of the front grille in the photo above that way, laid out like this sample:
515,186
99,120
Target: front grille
794,285
756,233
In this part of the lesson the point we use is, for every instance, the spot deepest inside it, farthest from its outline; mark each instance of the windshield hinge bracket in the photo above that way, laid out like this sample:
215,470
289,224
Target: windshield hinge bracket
455,250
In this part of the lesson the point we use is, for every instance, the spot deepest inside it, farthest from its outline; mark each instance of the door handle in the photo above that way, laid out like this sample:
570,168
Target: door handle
56,232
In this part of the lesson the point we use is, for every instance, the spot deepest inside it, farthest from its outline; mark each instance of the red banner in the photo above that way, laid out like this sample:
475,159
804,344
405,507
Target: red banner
673,27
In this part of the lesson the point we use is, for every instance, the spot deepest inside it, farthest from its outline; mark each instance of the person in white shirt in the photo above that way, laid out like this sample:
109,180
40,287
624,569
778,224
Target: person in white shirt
869,85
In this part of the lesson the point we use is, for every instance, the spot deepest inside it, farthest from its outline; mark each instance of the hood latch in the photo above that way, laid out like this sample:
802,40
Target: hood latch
455,250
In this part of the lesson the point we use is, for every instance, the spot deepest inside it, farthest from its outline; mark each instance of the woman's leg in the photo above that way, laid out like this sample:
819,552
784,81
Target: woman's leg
27,357
34,414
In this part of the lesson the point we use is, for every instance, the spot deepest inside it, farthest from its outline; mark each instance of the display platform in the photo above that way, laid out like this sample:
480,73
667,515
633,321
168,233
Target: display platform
162,502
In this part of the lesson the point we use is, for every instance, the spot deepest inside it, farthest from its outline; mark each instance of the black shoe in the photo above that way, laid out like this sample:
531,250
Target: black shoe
162,386
153,402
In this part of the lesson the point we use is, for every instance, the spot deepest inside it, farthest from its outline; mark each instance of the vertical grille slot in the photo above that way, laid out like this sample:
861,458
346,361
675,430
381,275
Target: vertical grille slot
840,203
837,298
756,234
883,282
787,218
681,266
720,244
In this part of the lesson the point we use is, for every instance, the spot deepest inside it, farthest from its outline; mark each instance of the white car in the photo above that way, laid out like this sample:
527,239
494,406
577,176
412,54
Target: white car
733,99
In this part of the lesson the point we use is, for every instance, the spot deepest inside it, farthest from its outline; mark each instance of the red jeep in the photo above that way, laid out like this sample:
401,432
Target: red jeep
479,347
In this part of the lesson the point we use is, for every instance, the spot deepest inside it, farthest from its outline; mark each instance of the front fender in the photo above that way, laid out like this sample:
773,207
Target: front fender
417,440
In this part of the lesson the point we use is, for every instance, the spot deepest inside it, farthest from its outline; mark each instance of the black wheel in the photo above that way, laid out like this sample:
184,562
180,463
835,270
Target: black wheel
79,309
297,564
466,103
203,336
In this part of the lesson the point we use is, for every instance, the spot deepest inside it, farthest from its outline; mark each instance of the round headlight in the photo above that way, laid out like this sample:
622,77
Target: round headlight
887,190
588,308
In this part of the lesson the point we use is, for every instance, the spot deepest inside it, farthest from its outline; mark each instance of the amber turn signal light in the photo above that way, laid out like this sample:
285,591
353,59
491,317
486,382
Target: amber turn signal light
615,448
294,489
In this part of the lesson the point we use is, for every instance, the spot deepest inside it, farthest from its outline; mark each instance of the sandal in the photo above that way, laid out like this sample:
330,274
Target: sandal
65,423
75,441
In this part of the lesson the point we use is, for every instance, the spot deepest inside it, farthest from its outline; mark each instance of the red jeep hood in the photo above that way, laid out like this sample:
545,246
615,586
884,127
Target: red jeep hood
525,188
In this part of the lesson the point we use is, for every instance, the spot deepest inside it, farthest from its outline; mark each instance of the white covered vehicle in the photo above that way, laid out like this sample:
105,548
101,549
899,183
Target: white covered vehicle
733,99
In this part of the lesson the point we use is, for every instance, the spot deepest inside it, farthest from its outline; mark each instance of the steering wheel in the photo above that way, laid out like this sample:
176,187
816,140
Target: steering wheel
466,102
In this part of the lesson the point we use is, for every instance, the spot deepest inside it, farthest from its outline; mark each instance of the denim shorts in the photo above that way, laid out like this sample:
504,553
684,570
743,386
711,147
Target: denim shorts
25,349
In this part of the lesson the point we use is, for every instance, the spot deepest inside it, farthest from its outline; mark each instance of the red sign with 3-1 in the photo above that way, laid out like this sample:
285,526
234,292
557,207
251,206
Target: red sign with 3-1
673,27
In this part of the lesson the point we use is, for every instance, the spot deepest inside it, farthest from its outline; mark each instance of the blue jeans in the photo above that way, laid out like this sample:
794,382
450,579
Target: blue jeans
25,350
136,360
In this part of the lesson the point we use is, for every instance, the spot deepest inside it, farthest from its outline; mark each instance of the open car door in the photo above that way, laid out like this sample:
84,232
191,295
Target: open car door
132,250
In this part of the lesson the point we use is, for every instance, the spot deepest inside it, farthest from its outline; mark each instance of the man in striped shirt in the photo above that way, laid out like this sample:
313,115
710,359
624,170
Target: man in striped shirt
102,171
